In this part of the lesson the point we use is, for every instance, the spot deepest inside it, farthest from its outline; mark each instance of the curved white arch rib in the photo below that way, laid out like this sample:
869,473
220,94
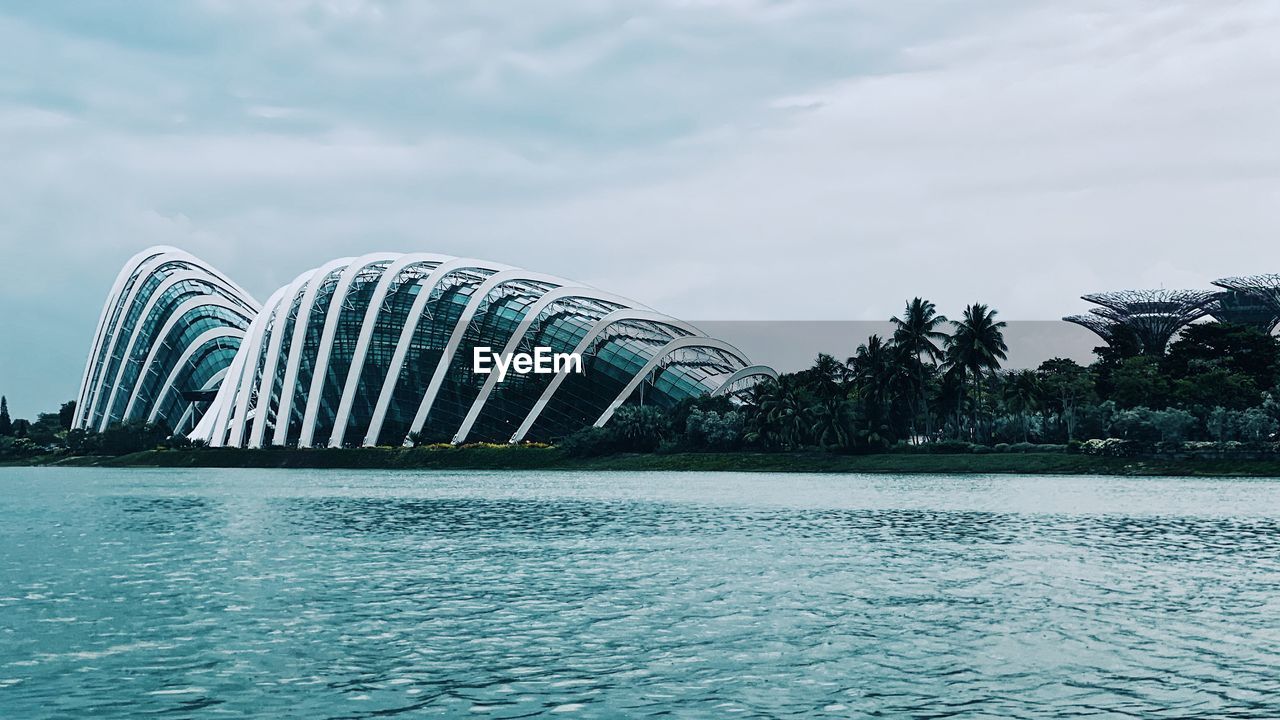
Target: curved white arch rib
249,370
429,284
367,325
492,283
113,299
531,316
218,416
170,280
213,426
272,360
601,325
176,316
662,353
284,410
320,369
111,337
193,347
148,262
746,372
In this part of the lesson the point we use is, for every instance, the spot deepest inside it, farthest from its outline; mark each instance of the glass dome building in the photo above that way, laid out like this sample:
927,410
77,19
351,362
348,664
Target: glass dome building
379,350
167,335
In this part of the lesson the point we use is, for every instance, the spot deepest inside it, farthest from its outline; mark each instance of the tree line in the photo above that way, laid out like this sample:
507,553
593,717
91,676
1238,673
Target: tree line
51,433
939,384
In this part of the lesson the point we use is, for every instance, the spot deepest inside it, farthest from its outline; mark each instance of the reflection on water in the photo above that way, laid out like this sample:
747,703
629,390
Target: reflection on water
279,594
158,515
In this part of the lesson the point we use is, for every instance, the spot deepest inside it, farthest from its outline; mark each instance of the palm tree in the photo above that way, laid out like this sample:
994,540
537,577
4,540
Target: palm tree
781,412
831,420
870,368
877,377
976,348
1022,394
918,335
828,373
951,397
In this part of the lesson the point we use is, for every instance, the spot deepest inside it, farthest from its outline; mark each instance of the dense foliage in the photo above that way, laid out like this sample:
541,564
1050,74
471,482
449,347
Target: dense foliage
938,385
51,433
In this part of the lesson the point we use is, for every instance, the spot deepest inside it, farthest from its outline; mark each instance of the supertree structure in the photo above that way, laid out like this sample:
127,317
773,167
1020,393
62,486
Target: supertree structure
1252,300
1153,316
1102,327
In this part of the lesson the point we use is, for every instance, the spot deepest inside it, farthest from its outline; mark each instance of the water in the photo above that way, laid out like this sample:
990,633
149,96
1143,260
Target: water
206,593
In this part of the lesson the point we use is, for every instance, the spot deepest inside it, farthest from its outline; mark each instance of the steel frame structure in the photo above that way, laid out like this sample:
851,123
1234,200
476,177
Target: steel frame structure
374,345
1154,316
170,320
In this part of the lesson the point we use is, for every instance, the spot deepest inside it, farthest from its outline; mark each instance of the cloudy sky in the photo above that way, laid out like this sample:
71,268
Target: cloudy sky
717,160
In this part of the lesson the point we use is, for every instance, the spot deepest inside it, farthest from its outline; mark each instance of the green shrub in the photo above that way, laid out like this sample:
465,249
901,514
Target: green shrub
1111,447
948,447
588,442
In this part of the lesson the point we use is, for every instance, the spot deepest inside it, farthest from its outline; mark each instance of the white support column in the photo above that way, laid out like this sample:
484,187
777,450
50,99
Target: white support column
285,409
217,419
429,285
332,317
371,315
214,425
251,348
273,357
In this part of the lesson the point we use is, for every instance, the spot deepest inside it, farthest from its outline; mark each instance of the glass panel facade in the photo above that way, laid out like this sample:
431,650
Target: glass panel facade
173,326
443,311
165,304
392,316
560,328
350,323
310,348
497,317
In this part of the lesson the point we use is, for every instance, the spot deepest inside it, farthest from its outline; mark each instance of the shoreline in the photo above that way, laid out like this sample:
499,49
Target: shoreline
516,458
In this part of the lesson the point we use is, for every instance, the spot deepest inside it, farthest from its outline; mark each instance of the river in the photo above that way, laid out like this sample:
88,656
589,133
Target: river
317,594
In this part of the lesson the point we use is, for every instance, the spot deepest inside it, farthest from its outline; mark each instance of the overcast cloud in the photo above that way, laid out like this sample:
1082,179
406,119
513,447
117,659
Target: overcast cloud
716,160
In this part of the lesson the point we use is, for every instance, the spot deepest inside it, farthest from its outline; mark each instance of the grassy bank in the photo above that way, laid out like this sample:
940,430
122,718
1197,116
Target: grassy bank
552,459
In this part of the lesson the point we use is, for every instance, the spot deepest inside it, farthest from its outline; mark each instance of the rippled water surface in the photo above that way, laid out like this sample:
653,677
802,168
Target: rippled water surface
212,593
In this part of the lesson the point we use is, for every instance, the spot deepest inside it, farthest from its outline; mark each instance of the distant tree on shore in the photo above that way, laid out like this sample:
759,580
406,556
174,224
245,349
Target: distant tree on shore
6,425
975,348
66,413
1066,386
919,336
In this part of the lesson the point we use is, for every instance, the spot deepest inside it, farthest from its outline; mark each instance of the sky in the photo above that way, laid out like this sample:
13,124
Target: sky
717,160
